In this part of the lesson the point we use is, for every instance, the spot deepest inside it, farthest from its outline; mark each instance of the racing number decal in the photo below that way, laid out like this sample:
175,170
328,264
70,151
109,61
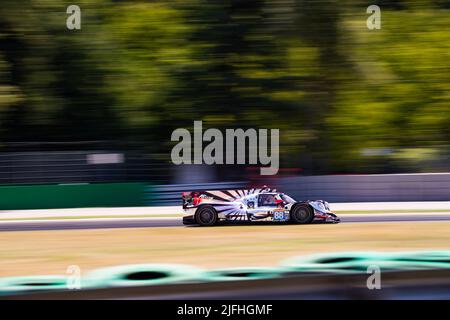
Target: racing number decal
278,215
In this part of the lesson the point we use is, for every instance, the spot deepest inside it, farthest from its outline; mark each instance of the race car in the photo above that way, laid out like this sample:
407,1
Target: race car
207,208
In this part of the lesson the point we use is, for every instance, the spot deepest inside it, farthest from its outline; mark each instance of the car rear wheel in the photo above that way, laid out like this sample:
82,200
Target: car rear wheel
206,216
302,214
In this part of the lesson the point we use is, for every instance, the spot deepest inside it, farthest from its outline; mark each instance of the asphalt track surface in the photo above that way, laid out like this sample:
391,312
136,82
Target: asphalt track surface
74,224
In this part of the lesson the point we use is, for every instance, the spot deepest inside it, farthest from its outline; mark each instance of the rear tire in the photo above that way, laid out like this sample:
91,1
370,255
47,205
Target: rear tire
206,216
302,214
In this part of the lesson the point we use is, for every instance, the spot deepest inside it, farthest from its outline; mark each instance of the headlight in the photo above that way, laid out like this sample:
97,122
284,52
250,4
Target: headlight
320,206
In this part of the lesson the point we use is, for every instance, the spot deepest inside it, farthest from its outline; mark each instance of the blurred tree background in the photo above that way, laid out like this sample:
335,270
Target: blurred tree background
346,99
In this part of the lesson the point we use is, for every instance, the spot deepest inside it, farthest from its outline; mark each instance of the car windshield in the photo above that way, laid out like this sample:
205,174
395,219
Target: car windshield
266,200
286,198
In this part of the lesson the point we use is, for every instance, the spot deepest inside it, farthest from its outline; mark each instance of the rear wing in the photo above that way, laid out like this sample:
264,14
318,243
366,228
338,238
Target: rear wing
191,198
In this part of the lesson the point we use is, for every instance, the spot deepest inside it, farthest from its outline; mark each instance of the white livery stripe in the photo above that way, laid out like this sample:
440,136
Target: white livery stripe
231,210
221,195
234,194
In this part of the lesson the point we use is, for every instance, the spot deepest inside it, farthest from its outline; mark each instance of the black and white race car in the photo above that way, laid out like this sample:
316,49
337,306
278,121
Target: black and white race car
207,208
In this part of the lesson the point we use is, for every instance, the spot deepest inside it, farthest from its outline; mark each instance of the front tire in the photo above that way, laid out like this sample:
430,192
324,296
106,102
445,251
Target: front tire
302,214
206,216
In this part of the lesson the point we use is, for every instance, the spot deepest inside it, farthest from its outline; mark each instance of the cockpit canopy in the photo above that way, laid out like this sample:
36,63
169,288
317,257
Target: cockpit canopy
273,199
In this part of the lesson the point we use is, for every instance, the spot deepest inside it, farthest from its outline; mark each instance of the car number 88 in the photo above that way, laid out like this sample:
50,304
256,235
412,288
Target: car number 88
277,215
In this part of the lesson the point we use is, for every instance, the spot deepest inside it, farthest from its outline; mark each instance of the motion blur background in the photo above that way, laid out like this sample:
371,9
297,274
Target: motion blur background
86,118
347,100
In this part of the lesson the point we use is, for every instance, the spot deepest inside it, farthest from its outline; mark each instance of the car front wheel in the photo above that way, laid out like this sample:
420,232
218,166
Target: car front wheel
302,214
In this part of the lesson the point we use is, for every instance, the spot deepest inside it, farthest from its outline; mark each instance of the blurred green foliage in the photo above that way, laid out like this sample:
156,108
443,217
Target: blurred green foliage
139,69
